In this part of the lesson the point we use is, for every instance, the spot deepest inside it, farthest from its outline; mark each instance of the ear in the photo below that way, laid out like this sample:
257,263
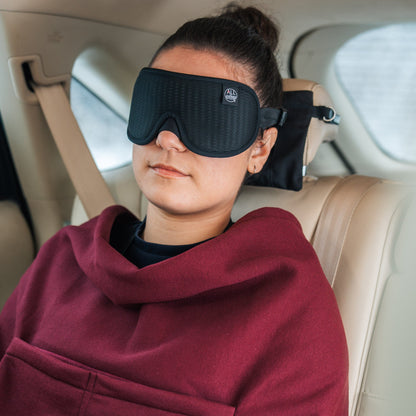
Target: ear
261,150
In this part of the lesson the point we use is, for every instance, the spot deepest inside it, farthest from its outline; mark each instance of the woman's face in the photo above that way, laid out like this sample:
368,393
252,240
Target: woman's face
177,180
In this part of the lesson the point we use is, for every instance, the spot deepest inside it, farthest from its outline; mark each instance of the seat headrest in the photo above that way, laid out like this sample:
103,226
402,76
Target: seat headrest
311,120
319,131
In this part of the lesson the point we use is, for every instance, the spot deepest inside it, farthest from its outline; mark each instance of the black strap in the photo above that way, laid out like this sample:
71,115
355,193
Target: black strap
272,117
326,114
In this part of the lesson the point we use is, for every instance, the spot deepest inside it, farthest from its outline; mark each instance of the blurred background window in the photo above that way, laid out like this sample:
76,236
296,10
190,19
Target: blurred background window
377,69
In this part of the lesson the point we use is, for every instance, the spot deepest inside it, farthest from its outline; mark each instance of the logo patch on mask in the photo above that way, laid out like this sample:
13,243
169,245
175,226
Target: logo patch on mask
230,96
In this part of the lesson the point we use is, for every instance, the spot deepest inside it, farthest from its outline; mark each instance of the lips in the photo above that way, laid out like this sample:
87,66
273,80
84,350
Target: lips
167,171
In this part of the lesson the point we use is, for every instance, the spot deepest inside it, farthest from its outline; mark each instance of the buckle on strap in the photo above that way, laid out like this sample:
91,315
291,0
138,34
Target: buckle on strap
326,114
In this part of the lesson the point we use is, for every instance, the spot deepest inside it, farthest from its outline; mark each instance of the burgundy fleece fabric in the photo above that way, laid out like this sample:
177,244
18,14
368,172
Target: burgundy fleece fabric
244,324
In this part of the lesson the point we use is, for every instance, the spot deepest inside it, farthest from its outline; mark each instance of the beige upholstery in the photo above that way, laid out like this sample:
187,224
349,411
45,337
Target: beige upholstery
318,131
16,248
368,258
389,380
305,204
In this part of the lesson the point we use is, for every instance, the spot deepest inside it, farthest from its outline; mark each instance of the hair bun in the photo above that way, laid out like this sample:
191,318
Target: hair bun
254,20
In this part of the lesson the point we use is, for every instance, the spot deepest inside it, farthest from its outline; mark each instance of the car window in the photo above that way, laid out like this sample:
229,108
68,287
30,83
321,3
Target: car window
104,130
377,69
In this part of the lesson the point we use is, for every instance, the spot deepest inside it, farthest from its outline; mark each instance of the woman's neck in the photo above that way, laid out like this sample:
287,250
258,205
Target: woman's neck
172,229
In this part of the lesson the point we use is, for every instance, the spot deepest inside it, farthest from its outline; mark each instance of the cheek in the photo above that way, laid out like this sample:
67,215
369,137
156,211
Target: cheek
225,174
139,162
136,158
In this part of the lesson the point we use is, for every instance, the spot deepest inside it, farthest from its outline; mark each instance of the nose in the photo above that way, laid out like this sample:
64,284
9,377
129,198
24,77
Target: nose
169,141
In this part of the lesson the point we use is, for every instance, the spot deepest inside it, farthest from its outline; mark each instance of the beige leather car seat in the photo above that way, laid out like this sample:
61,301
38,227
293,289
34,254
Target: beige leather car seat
352,222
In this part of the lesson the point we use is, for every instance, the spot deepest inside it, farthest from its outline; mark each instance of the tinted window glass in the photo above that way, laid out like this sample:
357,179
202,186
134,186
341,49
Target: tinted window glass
378,71
103,129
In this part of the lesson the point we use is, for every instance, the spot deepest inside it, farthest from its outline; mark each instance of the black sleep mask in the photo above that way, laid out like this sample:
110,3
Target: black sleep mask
212,117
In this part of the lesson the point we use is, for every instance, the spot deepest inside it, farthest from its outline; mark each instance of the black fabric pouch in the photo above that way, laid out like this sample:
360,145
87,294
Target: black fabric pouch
284,166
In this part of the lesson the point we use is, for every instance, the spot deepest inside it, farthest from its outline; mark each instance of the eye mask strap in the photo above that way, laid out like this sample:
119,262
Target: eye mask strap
272,117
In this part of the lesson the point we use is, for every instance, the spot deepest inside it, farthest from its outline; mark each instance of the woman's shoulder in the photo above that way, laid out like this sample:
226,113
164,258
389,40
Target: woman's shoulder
275,228
274,239
269,215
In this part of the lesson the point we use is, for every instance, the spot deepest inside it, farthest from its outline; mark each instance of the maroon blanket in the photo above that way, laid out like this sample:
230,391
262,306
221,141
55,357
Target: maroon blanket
243,324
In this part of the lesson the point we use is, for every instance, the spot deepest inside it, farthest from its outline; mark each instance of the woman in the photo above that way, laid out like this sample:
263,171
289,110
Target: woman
185,312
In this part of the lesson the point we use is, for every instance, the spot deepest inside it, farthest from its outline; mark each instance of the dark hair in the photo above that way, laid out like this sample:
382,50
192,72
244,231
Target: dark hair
244,34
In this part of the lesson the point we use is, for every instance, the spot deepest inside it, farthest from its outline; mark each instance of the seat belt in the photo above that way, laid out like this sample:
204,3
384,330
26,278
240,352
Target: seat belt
85,176
334,221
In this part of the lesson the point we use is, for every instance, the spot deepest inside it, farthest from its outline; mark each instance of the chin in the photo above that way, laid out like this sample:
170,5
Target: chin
174,206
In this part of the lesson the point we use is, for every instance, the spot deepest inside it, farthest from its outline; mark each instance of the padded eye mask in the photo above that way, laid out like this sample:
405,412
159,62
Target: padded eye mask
212,117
